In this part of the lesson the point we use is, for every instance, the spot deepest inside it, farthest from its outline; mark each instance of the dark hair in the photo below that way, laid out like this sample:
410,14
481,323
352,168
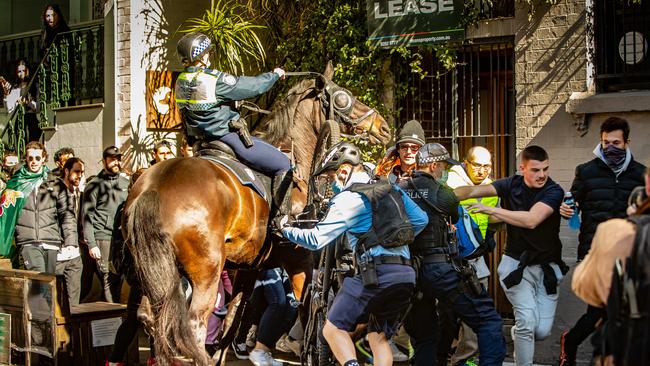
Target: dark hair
160,144
534,152
63,151
48,34
8,153
19,62
36,145
616,123
71,162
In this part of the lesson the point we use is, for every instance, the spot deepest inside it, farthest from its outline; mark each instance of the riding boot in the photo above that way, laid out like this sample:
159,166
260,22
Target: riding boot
282,186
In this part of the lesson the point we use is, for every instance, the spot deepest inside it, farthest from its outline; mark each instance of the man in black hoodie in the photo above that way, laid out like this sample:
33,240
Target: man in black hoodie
103,194
601,188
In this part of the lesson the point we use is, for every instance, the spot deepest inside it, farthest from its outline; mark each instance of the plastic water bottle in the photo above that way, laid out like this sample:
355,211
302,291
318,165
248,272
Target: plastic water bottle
574,220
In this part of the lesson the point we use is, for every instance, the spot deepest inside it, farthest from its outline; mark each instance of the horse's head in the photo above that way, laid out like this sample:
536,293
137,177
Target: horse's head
356,120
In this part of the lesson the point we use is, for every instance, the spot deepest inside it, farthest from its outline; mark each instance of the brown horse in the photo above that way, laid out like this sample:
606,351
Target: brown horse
190,216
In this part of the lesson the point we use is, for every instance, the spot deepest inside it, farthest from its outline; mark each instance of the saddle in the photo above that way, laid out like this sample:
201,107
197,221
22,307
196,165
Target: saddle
221,154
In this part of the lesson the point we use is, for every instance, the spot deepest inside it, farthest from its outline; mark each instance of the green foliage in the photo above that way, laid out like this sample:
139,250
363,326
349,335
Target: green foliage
236,43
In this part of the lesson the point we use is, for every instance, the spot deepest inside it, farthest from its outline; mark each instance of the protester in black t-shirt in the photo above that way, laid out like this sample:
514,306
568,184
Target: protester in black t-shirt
532,266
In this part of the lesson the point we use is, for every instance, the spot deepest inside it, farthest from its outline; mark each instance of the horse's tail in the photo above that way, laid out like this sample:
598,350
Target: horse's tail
155,261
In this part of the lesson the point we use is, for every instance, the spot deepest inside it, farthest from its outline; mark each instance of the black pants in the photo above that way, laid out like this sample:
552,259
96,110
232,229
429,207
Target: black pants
71,270
112,283
582,329
38,259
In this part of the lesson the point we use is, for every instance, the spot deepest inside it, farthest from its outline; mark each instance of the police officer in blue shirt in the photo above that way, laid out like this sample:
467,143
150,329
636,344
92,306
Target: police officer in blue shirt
379,220
205,97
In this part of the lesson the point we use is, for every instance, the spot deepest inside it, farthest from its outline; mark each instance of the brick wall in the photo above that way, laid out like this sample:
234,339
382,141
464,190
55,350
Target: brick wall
123,72
550,64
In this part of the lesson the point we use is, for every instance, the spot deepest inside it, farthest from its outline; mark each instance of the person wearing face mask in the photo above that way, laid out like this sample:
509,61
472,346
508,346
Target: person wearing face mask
9,166
601,189
379,220
36,212
440,280
101,199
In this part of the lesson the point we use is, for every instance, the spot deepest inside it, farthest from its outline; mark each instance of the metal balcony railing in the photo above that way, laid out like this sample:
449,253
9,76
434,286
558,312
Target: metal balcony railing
70,72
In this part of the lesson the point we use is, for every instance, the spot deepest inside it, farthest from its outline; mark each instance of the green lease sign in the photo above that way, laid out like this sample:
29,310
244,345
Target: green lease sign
411,22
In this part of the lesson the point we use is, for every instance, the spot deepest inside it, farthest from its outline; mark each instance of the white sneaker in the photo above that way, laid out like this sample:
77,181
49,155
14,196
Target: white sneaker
398,355
251,337
262,358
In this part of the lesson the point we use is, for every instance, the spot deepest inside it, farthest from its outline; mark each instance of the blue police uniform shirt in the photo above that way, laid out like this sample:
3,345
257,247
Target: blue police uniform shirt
351,213
203,97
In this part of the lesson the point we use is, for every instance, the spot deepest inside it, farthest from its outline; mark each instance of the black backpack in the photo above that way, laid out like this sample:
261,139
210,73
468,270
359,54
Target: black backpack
626,334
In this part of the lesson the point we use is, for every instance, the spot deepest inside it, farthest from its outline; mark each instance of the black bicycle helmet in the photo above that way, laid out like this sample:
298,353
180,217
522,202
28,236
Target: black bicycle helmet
341,153
193,46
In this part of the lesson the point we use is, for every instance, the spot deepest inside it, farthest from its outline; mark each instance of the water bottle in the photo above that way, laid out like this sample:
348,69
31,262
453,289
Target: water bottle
574,220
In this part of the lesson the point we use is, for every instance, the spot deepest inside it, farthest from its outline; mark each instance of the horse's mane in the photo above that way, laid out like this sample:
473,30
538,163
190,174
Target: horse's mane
276,127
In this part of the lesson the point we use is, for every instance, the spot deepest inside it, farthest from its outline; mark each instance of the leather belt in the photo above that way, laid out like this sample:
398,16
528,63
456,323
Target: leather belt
392,259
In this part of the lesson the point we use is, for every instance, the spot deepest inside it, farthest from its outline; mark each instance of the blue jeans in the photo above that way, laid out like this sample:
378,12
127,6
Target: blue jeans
262,156
534,308
440,281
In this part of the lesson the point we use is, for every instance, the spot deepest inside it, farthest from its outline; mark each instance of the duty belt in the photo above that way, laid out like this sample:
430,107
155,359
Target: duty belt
436,258
392,259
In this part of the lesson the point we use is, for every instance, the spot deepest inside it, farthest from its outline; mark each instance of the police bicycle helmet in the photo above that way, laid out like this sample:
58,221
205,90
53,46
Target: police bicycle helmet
192,46
337,155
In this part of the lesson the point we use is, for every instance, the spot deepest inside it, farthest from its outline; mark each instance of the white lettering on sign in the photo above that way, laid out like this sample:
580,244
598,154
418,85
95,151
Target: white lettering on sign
398,8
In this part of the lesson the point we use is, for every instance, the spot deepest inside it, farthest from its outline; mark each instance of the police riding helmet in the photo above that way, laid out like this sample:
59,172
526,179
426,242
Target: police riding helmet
192,46
339,154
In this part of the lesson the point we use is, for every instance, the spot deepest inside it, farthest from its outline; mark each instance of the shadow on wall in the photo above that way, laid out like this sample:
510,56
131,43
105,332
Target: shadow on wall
137,148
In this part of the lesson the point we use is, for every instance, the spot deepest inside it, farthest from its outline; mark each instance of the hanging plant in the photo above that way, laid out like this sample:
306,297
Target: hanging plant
236,45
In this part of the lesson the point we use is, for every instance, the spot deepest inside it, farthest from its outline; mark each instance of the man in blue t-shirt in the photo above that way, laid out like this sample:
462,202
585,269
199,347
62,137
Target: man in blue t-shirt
532,266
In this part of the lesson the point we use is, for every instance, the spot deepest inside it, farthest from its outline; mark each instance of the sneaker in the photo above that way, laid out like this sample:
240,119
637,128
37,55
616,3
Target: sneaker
262,358
363,347
251,337
240,350
471,362
114,363
398,355
288,345
565,359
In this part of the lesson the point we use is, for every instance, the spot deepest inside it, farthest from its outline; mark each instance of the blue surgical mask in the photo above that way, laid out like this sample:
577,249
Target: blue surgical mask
443,179
336,187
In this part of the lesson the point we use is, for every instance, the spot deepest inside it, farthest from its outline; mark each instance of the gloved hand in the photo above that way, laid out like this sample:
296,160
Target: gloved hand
95,253
280,72
279,223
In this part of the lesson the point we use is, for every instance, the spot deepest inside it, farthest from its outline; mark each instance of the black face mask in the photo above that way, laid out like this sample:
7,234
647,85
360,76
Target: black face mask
614,156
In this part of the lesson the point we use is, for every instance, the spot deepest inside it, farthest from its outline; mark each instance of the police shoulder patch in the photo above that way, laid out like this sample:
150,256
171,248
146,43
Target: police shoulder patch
229,79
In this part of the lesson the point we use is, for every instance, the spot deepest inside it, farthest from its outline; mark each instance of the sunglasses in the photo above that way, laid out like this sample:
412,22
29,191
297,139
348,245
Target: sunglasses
413,148
32,158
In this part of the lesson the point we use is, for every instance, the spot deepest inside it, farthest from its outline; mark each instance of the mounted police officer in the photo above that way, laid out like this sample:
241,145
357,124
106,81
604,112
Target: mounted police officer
379,221
442,275
205,98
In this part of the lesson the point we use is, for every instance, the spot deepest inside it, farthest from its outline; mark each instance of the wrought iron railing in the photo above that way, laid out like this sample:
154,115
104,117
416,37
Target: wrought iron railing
621,35
490,9
71,72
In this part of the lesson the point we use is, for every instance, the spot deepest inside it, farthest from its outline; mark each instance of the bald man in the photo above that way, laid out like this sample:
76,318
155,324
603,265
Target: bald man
475,170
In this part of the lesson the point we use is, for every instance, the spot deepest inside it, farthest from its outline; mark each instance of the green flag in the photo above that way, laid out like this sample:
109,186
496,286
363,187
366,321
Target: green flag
12,201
